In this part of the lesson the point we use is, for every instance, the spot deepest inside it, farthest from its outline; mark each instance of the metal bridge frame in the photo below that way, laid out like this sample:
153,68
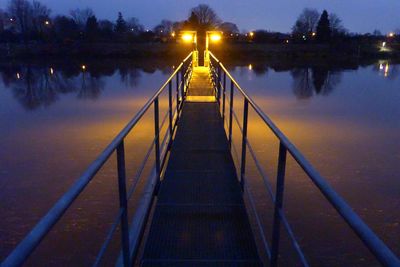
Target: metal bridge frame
131,235
378,248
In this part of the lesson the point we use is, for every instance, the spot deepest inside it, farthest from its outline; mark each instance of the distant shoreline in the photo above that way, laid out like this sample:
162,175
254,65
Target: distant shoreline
240,51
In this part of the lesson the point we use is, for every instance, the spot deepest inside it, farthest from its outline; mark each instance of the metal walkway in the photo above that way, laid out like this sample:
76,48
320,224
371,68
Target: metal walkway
191,201
200,218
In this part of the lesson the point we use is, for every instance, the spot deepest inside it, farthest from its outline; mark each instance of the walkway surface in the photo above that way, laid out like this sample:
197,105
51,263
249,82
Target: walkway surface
200,218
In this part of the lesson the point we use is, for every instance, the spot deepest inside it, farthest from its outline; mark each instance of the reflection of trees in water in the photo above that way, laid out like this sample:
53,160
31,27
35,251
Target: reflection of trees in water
302,82
320,80
129,76
260,69
325,80
90,87
36,87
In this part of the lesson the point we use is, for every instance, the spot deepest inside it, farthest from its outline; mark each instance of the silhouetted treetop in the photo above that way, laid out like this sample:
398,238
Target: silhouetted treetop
80,16
336,24
323,28
120,26
207,18
229,27
306,23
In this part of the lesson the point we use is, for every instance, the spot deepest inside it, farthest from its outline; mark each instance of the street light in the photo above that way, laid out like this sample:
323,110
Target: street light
215,37
191,37
188,38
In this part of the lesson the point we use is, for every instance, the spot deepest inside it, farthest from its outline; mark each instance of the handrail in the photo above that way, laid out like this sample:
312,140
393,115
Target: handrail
24,249
378,248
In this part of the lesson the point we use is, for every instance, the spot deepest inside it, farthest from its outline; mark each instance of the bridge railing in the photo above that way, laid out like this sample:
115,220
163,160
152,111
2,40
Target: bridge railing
221,78
130,234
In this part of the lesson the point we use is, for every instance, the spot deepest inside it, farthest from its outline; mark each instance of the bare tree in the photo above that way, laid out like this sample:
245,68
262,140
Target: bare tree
207,17
81,16
229,27
40,14
178,25
164,28
21,11
306,23
337,27
134,26
2,19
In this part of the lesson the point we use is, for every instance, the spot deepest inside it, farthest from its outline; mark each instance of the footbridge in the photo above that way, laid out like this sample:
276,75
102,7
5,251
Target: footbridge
196,208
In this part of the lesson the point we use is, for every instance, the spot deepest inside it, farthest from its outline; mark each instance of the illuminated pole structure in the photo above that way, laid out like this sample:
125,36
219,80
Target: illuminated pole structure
213,36
191,37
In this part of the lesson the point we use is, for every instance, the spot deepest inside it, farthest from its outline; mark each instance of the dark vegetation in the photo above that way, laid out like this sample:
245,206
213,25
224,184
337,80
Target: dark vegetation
28,29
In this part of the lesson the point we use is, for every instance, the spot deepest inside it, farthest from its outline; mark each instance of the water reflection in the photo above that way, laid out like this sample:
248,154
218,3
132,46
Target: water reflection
318,80
130,77
312,79
387,70
35,86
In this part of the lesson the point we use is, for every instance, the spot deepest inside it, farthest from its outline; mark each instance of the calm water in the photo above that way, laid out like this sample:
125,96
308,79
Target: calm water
55,119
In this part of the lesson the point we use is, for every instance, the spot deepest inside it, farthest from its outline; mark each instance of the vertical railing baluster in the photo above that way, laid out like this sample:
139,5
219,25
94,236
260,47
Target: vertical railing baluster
280,186
170,108
230,115
183,84
123,203
244,140
223,99
219,85
177,91
157,140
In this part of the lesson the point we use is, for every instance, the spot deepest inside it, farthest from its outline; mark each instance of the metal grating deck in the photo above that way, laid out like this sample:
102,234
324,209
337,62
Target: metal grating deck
200,218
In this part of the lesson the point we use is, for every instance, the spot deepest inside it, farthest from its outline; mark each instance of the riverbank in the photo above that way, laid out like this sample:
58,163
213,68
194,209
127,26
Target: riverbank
240,51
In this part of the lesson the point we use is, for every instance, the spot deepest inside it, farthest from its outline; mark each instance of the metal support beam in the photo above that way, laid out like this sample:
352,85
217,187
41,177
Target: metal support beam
123,204
280,186
244,144
230,115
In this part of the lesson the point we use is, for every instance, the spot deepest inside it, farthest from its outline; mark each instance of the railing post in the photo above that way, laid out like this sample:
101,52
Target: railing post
223,99
219,84
244,144
183,84
230,115
123,203
157,140
280,186
170,108
177,91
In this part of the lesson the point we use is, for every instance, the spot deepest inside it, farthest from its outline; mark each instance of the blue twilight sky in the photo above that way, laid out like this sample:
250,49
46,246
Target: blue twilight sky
277,15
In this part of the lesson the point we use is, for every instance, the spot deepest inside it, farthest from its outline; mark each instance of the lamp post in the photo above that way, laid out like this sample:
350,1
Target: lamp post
213,36
191,37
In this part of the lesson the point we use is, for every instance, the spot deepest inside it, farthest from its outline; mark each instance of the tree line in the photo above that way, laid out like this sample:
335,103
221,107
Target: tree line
26,21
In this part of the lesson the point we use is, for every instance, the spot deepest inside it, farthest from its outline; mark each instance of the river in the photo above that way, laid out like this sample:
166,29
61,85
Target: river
56,117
